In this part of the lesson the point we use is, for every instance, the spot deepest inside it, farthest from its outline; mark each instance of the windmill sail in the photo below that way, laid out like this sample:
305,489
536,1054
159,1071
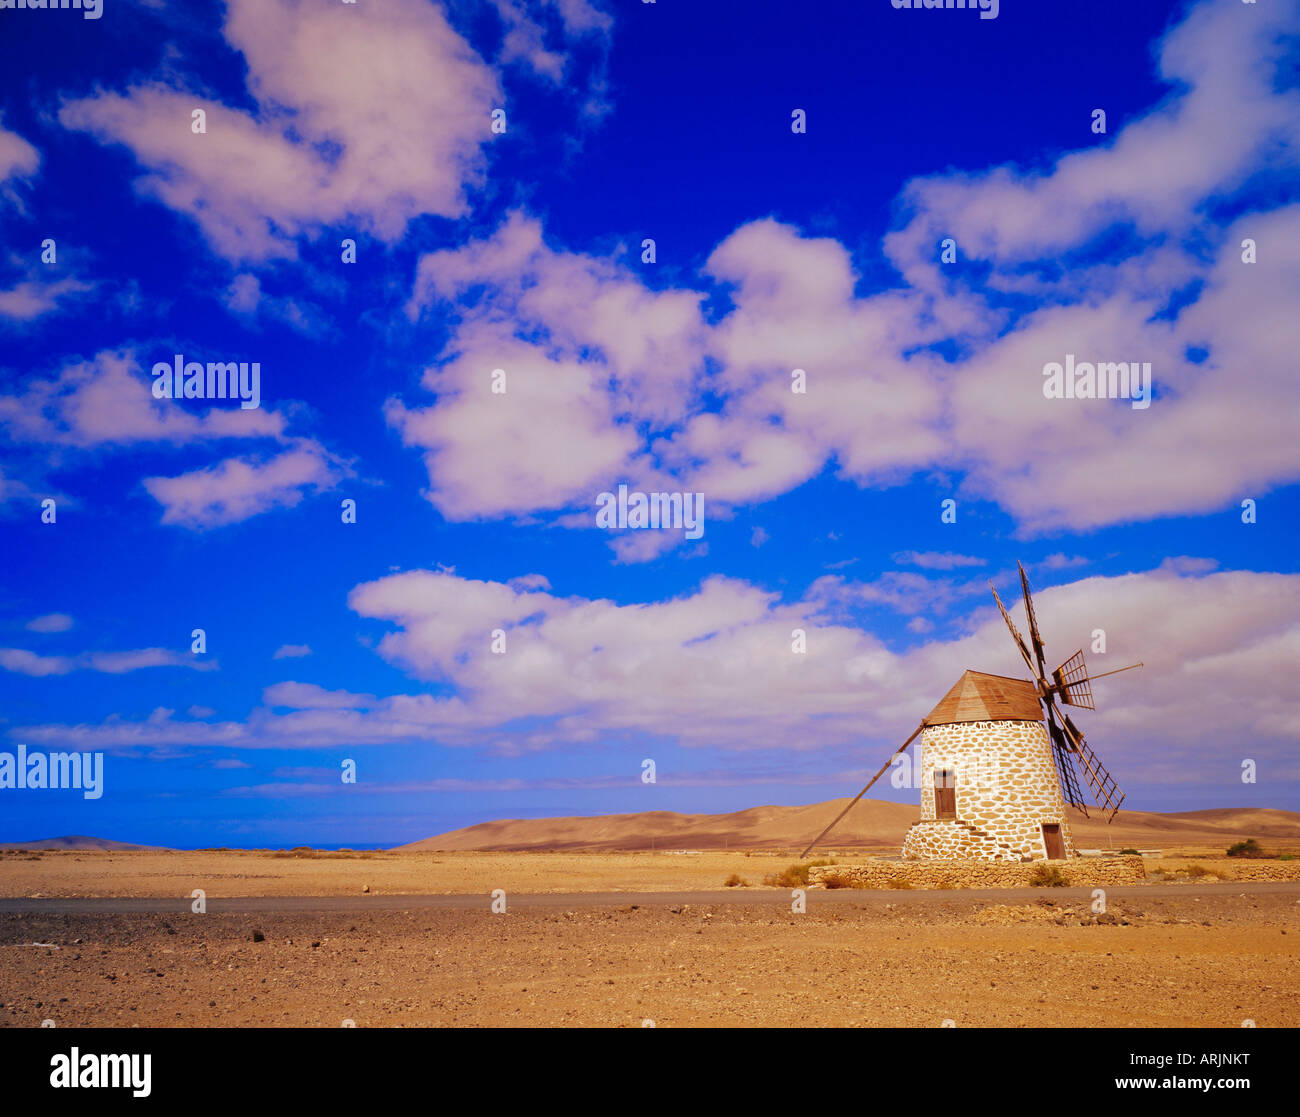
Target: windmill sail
1105,790
1062,754
1072,684
1033,625
1015,632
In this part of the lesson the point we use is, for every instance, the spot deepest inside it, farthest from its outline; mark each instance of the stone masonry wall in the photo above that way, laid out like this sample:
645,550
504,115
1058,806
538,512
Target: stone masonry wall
1082,872
1006,787
949,840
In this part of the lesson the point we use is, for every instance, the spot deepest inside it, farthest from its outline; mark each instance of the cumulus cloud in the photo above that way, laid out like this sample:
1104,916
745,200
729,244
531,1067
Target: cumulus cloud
108,400
369,116
1153,176
239,488
30,298
372,117
715,667
934,375
18,160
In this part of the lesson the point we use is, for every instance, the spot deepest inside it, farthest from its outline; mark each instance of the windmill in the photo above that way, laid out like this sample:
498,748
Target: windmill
1071,683
1017,723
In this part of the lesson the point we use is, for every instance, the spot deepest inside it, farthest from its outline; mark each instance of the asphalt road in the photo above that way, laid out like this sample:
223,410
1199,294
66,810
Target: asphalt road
127,905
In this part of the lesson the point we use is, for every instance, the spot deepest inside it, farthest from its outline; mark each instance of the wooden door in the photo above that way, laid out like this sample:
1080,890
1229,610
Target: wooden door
945,793
1054,842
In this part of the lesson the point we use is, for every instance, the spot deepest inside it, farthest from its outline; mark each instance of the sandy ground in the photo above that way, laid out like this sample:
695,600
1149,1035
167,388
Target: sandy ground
1172,960
245,873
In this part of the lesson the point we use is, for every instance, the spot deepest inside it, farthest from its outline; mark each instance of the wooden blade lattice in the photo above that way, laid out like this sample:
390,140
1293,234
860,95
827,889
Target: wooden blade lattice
1071,680
1061,754
1105,790
1033,622
1015,633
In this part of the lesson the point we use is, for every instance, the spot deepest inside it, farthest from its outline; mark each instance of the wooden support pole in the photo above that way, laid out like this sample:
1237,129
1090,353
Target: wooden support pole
861,793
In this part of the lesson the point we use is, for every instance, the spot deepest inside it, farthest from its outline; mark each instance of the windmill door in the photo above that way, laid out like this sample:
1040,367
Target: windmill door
1054,842
945,793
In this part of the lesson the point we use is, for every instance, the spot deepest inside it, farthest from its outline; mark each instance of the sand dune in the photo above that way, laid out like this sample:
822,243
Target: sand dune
78,841
872,824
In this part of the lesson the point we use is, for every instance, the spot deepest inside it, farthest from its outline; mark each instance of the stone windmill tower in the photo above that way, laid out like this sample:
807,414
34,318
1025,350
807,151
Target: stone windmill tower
997,767
989,790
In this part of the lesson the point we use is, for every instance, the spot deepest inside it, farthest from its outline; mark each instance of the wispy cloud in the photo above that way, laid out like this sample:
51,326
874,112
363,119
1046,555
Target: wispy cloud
26,662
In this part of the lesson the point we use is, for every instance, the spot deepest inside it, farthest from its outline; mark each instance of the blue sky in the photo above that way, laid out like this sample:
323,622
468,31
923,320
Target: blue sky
522,250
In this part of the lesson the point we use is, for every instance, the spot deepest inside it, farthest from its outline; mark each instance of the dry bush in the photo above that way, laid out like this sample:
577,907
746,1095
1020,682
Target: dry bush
1047,876
735,881
795,876
1197,871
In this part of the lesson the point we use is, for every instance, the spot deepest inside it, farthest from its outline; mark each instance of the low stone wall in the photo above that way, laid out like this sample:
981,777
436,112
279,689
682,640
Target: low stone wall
1233,868
980,874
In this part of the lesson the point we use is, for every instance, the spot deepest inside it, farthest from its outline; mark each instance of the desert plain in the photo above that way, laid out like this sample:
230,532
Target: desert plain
598,936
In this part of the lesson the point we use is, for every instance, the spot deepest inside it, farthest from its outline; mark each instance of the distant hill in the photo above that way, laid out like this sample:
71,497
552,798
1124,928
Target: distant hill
78,841
871,825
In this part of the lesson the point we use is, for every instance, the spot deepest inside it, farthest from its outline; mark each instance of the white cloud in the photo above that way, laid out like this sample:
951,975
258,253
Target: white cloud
527,33
549,441
246,299
238,488
108,401
292,651
715,668
365,117
936,560
50,622
29,298
1154,174
18,160
308,696
23,662
627,370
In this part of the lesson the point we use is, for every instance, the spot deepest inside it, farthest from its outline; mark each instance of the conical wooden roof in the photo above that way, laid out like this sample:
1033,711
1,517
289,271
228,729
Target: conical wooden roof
980,697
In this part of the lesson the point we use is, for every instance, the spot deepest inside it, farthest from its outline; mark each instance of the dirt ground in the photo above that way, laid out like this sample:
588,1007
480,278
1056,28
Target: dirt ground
1172,960
1161,956
259,873
256,873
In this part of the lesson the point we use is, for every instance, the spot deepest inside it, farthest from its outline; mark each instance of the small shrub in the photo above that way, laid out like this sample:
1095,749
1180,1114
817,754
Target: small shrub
839,880
1286,856
1197,871
1132,851
1248,848
735,881
1047,876
796,876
